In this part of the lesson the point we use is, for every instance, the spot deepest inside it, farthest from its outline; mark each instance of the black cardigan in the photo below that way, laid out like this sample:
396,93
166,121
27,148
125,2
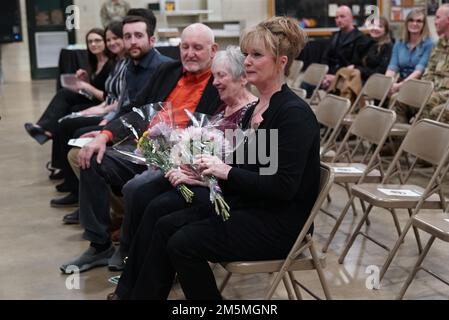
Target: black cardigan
375,60
290,193
158,88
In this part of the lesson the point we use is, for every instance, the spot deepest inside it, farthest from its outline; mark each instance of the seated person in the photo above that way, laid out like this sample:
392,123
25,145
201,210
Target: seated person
410,54
268,209
92,86
230,80
345,45
145,59
349,80
187,85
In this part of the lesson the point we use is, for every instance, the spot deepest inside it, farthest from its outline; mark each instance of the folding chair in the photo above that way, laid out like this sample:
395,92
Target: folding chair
295,71
437,226
296,259
330,113
370,128
375,88
427,140
415,94
302,93
313,76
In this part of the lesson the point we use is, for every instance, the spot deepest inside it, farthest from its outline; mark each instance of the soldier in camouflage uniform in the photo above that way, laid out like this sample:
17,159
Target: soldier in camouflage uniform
437,71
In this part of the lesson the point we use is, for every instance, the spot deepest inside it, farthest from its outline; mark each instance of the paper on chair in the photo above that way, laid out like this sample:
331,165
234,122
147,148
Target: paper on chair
400,192
346,170
80,142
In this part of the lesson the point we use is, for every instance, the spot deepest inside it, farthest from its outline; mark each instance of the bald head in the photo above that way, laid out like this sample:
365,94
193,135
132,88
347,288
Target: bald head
344,19
442,20
200,30
198,48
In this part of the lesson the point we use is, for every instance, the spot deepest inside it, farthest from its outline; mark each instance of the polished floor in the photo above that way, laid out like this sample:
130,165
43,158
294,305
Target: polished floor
34,242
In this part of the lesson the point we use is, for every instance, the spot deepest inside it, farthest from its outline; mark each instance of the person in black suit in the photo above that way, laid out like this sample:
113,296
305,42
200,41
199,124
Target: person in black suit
269,202
186,85
345,45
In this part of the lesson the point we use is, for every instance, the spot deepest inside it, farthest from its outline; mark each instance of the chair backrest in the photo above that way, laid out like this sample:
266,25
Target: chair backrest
371,128
427,140
377,87
315,73
302,93
331,110
330,113
295,70
373,124
415,93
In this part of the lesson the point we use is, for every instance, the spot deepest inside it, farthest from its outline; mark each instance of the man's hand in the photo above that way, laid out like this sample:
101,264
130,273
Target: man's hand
98,146
91,134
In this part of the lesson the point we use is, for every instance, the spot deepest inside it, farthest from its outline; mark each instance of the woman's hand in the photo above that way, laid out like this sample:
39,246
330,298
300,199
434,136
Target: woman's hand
213,166
93,111
395,88
81,74
180,176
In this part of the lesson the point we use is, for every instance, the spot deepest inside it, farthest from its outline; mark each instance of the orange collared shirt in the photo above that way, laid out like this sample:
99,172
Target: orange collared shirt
186,96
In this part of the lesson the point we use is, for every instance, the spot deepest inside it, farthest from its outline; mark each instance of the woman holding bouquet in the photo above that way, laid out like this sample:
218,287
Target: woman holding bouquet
267,211
230,80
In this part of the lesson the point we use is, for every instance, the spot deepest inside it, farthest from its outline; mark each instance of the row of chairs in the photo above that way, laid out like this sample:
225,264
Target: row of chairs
366,133
371,127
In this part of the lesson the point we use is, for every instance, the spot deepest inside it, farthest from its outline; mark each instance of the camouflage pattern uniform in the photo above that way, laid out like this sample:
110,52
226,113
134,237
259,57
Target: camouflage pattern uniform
437,72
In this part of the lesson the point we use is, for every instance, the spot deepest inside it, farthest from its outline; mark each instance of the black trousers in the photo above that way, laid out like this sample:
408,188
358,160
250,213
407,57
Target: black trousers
68,129
141,227
185,241
62,104
95,184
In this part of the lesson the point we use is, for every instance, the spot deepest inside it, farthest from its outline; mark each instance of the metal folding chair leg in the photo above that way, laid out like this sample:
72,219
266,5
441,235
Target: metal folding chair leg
416,268
354,235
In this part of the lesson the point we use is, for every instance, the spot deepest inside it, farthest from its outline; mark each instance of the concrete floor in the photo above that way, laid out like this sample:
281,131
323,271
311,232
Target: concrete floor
34,242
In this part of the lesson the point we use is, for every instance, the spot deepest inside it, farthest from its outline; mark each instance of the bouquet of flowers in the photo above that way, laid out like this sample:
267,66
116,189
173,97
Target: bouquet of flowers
155,146
203,138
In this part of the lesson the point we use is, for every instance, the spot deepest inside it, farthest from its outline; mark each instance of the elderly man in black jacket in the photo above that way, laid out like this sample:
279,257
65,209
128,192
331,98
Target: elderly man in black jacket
345,44
186,84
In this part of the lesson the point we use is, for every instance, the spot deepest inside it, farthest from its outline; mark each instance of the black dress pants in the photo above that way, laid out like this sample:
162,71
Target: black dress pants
184,242
95,184
62,104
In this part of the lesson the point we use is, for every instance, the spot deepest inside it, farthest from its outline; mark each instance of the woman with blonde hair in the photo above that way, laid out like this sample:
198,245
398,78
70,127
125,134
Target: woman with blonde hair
269,202
411,54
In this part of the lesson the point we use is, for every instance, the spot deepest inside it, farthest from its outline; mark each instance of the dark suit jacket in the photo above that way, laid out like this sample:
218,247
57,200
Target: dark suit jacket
344,54
157,89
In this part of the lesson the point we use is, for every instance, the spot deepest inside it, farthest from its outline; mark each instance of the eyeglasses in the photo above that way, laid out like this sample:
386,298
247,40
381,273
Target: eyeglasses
94,41
419,21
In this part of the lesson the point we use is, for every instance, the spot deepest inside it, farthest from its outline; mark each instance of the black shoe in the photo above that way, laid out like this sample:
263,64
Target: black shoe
37,133
56,175
69,200
72,218
63,187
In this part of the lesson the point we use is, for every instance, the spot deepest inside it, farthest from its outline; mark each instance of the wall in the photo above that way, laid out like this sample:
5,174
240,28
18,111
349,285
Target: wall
15,60
14,57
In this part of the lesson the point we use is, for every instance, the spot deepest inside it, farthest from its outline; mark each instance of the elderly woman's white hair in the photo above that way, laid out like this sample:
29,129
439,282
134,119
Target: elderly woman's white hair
233,59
